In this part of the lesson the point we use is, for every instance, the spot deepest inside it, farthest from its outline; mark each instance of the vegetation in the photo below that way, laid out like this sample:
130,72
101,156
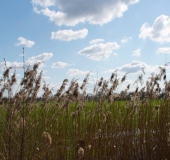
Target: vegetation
71,126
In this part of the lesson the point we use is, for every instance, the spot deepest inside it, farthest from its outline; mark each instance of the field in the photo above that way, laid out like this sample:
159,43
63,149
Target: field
72,126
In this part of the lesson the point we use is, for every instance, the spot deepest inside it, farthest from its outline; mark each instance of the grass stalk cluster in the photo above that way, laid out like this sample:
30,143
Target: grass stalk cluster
70,125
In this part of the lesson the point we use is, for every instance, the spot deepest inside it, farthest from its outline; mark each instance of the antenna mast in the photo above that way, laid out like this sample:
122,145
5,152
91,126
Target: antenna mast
23,60
97,73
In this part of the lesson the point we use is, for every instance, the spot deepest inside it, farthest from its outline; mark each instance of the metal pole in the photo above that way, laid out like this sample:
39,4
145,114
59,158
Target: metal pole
23,60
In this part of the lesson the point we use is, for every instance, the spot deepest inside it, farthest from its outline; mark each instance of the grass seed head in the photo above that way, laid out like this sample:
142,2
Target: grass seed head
80,153
46,139
89,147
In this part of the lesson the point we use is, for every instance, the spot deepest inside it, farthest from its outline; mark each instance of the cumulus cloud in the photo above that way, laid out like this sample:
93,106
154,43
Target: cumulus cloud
73,12
29,62
159,31
125,39
40,58
60,65
99,51
163,50
136,53
134,67
68,35
25,42
76,72
17,65
95,41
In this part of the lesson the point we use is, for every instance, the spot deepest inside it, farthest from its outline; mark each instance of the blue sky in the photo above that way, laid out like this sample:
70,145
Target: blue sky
75,37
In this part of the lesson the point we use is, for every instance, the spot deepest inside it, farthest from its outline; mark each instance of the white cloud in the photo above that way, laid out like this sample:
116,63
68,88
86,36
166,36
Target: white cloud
40,58
163,50
95,41
159,31
60,18
60,65
136,53
73,12
134,67
137,66
99,51
76,72
125,39
68,35
36,10
29,62
25,42
17,65
44,3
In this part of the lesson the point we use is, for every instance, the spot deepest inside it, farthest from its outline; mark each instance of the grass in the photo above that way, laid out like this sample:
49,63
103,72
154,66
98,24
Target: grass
69,126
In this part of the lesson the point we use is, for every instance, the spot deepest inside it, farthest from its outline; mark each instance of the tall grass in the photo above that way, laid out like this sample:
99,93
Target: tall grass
71,126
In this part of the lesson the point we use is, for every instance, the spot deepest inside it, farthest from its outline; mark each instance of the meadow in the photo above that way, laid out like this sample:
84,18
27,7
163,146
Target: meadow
70,125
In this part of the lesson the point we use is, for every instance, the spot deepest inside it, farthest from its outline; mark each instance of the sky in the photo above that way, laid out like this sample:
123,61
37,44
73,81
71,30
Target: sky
75,37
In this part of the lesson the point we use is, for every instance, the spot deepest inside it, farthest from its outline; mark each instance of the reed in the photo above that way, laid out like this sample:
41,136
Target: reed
70,125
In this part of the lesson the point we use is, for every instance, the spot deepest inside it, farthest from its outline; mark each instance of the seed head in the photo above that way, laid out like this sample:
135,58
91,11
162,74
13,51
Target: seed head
46,139
104,118
80,153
